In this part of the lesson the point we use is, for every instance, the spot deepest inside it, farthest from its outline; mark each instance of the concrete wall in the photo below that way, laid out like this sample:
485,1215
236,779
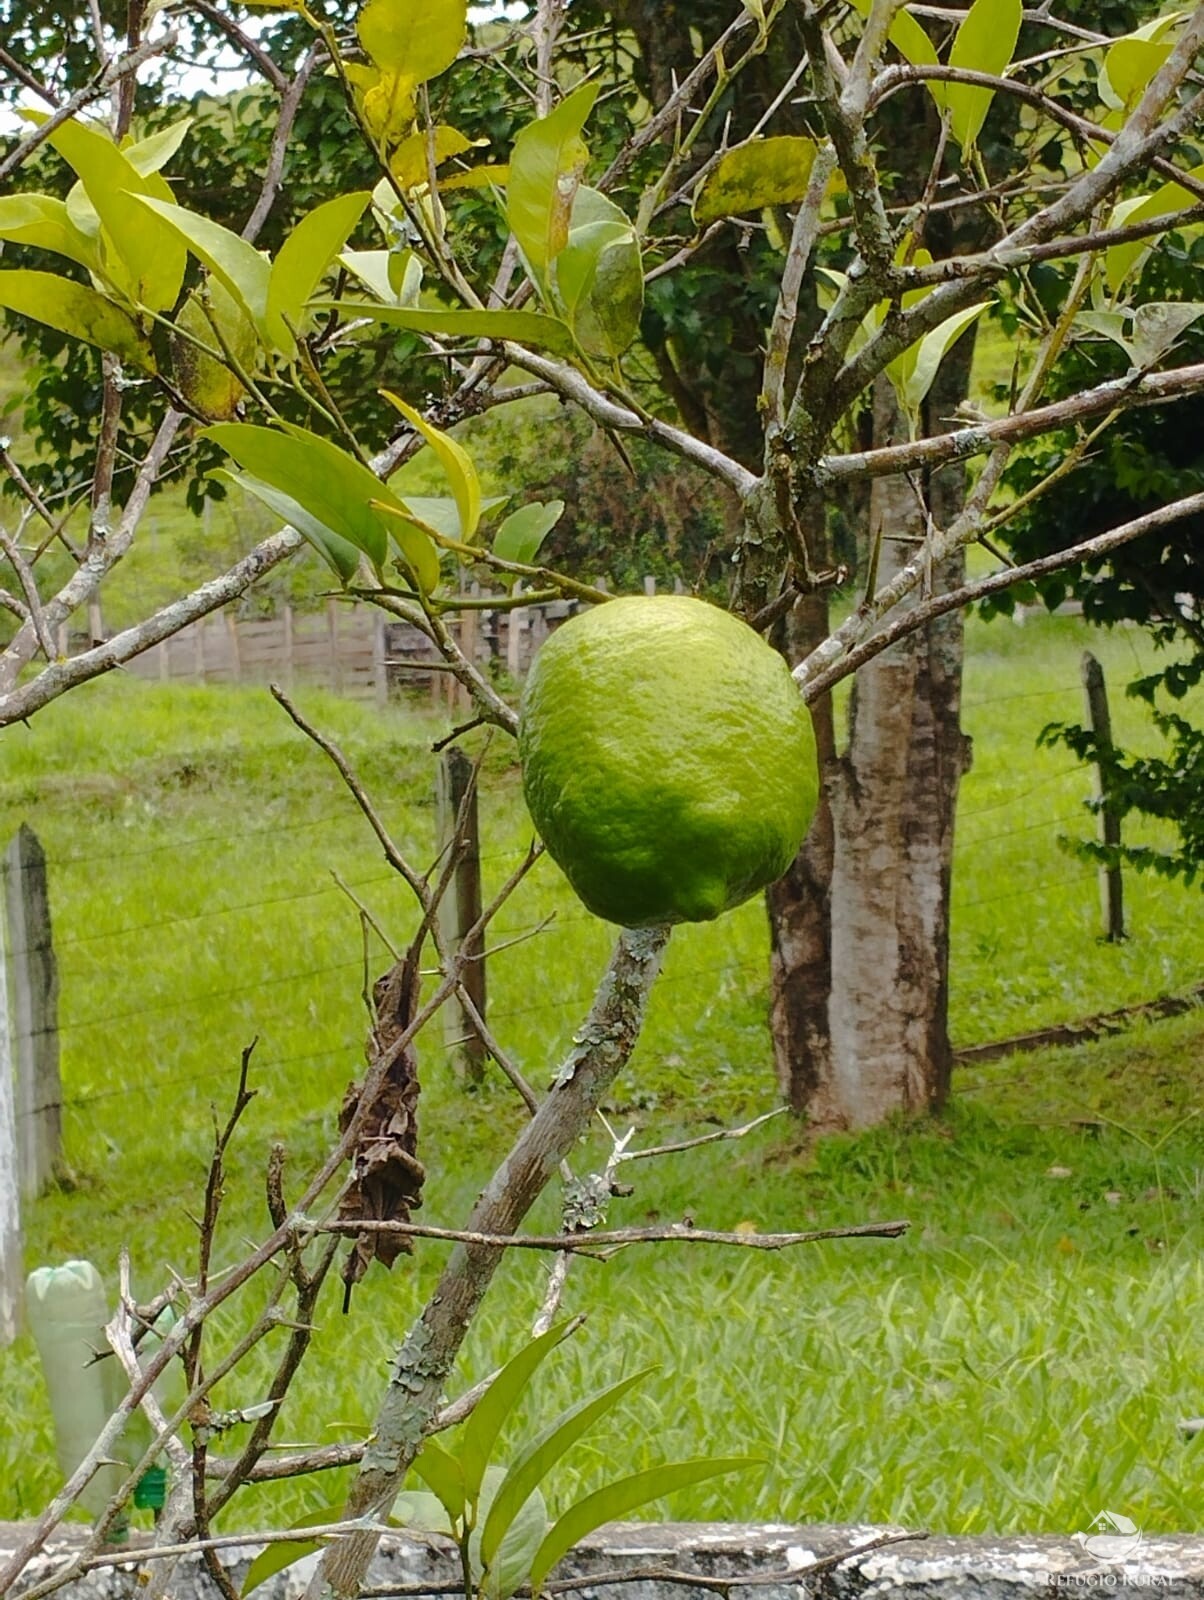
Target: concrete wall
936,1568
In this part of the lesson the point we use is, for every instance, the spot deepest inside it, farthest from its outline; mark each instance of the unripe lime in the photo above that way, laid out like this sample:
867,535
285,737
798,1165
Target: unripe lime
668,759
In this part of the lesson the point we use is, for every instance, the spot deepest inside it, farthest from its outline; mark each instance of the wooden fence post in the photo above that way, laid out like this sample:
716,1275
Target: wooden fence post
332,636
10,1193
34,984
459,909
1111,889
380,670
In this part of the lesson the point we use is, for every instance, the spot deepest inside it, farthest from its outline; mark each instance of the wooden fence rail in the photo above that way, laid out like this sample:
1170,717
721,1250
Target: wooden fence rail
354,650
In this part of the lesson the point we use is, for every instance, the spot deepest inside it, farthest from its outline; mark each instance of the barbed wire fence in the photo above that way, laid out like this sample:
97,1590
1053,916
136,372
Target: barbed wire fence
98,1042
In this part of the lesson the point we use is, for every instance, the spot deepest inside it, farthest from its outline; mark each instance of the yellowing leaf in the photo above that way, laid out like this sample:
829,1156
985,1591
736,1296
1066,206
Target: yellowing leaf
149,259
154,152
388,106
758,173
546,165
78,311
985,42
416,39
209,384
412,160
455,461
481,177
44,221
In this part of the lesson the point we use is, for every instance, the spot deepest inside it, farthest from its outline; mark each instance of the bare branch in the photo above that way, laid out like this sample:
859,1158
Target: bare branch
250,47
1154,388
291,95
815,682
587,1243
798,258
101,84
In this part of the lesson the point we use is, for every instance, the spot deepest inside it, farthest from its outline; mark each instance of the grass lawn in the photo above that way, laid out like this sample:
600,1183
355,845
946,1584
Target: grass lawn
1019,1360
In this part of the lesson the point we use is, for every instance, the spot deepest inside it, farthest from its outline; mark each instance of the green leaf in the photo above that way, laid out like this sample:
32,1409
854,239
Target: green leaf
512,1560
545,168
600,276
335,488
238,265
542,1454
416,39
1121,258
307,253
411,161
143,259
931,352
76,310
523,531
405,277
498,1401
524,327
443,1475
44,221
756,174
371,267
153,153
1133,59
455,461
441,513
617,1499
985,42
274,1558
336,551
1112,325
421,1510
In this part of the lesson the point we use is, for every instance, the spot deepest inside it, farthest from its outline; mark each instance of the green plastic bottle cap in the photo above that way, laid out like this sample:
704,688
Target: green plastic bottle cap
151,1491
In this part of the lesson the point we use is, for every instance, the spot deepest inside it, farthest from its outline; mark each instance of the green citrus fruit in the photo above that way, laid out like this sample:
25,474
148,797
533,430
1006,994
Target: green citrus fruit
668,759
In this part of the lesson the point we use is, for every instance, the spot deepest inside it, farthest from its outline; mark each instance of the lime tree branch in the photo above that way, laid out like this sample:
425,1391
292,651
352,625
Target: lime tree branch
120,68
587,1243
858,640
1156,388
420,1370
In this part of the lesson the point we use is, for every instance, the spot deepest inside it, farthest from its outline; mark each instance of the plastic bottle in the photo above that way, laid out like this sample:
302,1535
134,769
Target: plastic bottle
67,1309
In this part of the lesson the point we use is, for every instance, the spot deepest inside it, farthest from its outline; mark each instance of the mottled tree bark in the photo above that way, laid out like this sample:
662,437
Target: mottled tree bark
859,1010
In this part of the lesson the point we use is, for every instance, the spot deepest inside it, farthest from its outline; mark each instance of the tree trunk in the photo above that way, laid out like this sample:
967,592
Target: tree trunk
859,1010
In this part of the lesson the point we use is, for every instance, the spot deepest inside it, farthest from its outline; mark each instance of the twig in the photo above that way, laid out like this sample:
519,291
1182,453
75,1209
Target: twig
585,1243
393,854
291,95
100,85
33,601
705,1138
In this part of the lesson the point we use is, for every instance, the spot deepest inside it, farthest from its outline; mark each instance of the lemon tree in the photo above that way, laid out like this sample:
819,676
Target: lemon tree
668,760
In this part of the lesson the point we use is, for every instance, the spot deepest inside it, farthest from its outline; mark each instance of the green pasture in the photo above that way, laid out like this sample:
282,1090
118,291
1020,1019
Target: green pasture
1019,1360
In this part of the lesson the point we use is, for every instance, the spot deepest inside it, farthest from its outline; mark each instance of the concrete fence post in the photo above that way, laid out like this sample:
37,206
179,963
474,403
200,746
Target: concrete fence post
33,986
